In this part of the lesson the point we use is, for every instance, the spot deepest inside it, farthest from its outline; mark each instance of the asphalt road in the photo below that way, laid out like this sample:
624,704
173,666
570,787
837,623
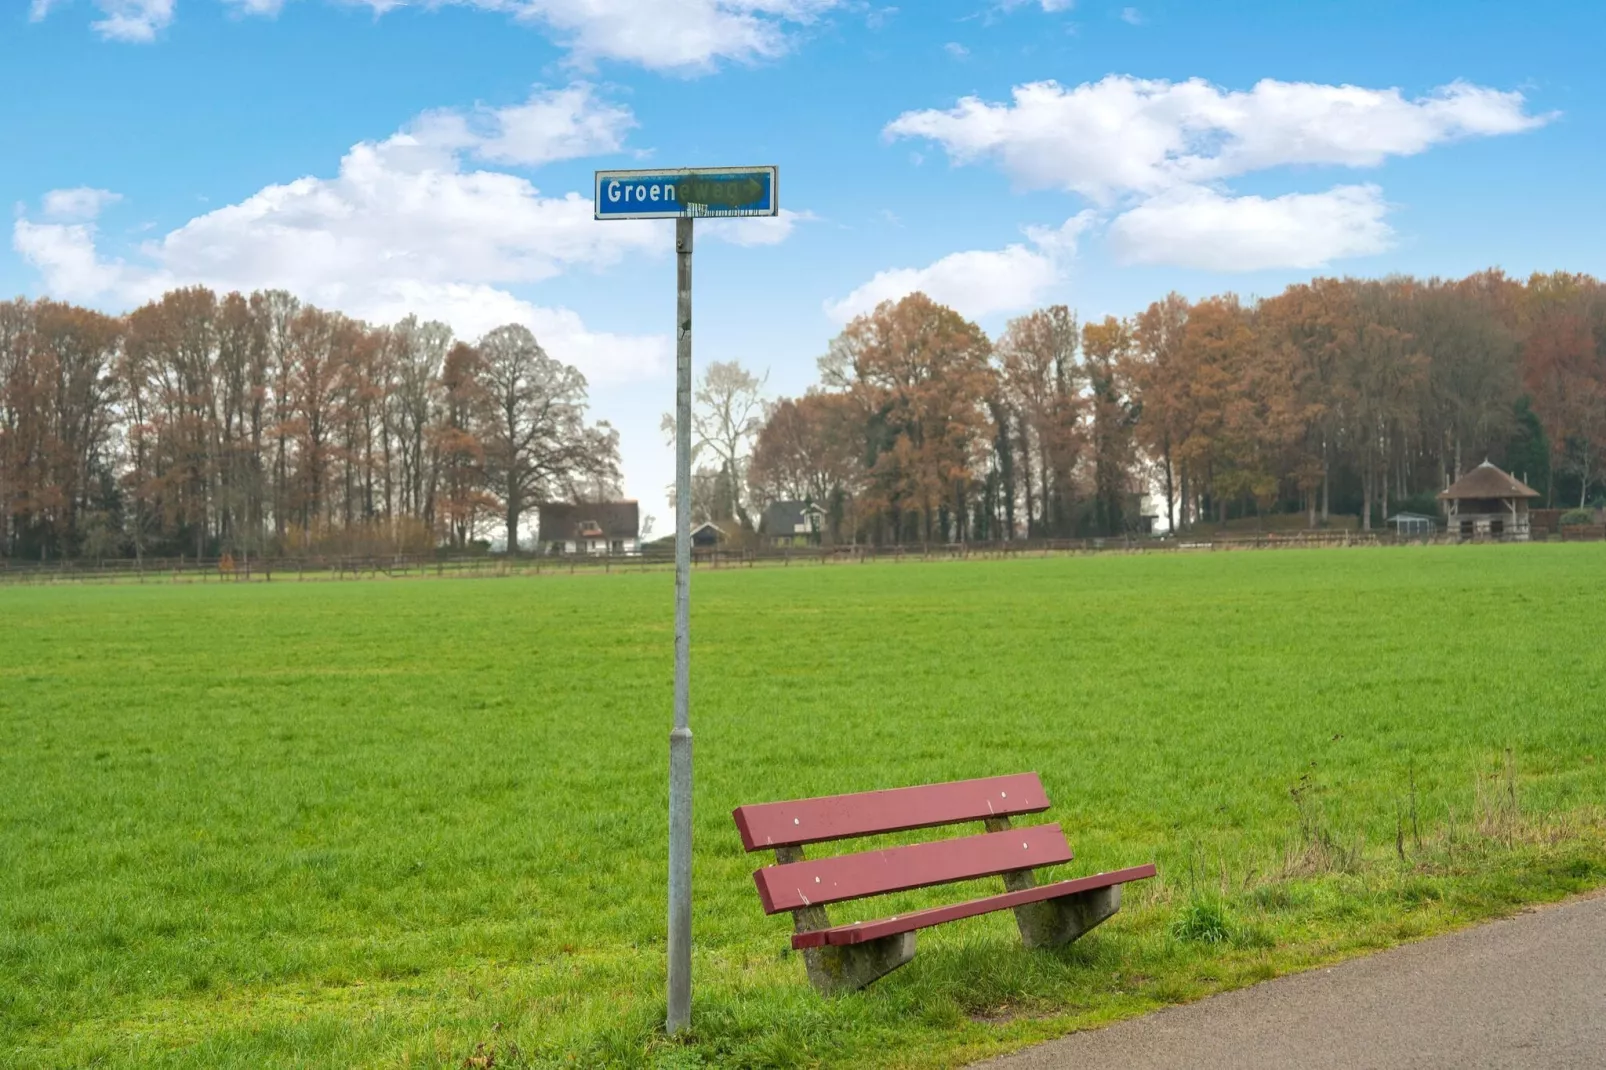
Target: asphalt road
1528,992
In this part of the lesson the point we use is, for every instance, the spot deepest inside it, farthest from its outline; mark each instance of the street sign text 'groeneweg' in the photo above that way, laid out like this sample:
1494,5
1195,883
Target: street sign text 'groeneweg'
687,192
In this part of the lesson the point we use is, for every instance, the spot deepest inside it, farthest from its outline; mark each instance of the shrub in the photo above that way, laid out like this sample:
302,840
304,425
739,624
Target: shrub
1203,921
1578,516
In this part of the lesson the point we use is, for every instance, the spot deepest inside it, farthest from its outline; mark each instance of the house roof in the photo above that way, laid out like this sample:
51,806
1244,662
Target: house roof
786,517
563,521
1408,516
1487,481
706,526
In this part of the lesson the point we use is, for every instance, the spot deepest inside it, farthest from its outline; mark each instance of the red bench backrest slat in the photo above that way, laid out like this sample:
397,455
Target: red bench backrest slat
896,869
836,817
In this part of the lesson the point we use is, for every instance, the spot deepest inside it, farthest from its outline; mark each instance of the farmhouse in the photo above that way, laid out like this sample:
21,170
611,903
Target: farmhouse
590,527
792,524
1487,502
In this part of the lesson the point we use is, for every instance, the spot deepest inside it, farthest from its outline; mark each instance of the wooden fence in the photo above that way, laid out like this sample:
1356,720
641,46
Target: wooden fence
486,566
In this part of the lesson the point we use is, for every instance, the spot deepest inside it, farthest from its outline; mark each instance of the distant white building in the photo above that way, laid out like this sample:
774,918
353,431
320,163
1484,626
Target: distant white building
590,528
1148,515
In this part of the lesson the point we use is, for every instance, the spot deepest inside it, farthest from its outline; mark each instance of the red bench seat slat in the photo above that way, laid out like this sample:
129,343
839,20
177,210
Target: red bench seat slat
897,869
836,817
860,932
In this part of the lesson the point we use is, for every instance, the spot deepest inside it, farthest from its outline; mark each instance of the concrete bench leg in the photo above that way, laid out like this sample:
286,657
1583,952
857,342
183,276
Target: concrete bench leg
1056,922
835,970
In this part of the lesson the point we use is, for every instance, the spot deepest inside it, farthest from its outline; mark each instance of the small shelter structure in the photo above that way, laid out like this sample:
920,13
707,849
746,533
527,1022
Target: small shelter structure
1413,525
707,535
1488,503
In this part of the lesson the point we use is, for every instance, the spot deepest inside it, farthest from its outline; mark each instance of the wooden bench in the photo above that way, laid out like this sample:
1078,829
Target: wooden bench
841,958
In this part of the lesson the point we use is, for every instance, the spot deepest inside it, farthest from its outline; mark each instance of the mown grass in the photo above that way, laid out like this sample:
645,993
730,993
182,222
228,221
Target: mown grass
422,823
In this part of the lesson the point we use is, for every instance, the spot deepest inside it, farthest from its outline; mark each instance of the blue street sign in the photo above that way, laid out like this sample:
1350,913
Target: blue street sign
687,192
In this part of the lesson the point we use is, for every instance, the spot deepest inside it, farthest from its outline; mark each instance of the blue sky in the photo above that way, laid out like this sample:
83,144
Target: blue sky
383,156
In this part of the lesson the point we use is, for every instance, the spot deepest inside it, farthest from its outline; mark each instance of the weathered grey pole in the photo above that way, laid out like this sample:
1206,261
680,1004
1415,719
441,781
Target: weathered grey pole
680,737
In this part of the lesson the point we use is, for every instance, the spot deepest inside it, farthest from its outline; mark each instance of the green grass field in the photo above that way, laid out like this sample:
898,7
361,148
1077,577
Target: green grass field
422,823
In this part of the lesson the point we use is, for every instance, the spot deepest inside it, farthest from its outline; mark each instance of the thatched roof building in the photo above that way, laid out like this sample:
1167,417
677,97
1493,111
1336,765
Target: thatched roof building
1487,502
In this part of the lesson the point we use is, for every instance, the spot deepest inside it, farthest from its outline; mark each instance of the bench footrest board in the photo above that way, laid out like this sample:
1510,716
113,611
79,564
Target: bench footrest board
860,932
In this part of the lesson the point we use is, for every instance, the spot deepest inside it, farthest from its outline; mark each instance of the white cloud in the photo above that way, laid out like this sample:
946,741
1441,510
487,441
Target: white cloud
138,21
390,212
755,230
977,283
1191,226
603,356
473,310
1130,135
65,254
1132,16
956,50
269,8
1062,240
557,124
403,226
683,35
77,205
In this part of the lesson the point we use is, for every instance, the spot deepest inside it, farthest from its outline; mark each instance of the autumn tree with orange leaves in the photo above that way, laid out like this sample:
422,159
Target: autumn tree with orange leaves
1039,411
807,450
918,376
1564,370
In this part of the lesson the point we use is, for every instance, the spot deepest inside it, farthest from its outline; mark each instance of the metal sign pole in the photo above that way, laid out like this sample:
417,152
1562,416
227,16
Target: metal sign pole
680,738
682,194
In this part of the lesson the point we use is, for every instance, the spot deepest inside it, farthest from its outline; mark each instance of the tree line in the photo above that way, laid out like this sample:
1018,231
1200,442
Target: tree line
200,424
1352,396
203,425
